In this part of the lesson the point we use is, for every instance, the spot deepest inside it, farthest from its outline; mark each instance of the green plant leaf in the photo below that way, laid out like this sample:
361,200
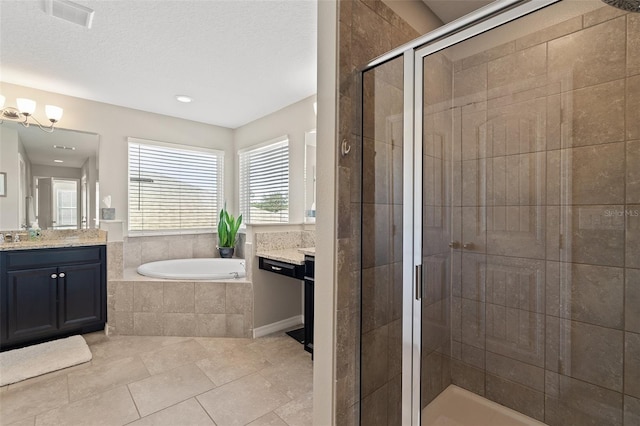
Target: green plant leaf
228,227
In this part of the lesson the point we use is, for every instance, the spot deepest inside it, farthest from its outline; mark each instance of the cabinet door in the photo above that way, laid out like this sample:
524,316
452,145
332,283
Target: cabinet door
31,303
80,295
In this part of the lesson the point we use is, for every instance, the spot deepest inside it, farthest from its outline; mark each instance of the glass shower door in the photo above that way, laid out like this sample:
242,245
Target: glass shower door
530,226
382,239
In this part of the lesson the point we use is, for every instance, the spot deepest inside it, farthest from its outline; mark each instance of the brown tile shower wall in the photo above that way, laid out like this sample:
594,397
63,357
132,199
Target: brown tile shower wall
437,158
367,30
545,306
381,289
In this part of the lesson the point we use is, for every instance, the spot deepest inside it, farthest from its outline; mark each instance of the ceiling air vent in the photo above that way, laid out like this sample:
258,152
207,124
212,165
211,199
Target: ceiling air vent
69,11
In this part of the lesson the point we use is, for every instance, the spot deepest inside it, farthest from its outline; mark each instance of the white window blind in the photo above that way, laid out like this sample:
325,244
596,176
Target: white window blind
173,188
264,182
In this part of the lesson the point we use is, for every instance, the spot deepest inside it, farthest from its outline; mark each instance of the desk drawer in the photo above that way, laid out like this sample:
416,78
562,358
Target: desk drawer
282,268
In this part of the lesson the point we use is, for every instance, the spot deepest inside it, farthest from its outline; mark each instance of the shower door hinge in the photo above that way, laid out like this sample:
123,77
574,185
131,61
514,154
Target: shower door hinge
418,282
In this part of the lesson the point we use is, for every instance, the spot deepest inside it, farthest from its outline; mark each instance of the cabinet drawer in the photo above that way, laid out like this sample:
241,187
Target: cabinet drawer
282,268
53,257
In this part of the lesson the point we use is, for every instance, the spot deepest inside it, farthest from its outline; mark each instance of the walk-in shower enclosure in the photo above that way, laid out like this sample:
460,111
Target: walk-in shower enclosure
501,216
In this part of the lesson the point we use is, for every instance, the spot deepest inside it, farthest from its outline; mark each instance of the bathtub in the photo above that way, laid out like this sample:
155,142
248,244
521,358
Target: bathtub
195,269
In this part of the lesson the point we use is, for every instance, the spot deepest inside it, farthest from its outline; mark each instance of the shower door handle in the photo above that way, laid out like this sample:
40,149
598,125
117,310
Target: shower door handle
418,282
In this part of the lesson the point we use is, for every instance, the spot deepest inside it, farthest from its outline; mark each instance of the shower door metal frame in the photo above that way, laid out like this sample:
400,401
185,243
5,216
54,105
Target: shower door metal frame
481,21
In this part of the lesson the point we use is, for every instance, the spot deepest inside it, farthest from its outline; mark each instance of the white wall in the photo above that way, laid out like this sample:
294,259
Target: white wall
114,124
293,120
9,165
276,297
39,170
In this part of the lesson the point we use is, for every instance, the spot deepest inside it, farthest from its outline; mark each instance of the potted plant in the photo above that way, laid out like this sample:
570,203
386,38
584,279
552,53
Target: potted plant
227,231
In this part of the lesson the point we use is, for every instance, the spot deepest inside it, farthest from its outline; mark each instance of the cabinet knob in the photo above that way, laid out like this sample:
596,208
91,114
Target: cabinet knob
468,246
54,276
62,274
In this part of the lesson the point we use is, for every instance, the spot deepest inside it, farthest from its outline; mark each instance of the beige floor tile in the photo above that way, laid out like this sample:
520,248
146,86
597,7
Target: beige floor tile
31,421
113,407
126,346
49,376
224,367
122,347
172,356
222,344
298,412
293,378
163,390
27,401
270,419
187,413
95,338
278,349
103,376
242,401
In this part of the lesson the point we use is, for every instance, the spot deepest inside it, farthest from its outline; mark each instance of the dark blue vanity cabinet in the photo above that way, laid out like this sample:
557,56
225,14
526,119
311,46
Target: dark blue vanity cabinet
51,293
309,281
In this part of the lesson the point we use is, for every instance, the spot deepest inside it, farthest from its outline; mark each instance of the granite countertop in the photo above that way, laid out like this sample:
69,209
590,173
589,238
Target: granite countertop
58,239
309,251
294,255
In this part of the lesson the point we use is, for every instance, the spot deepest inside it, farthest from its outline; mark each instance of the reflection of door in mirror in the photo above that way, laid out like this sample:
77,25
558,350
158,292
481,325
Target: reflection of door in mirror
65,204
57,206
310,176
44,191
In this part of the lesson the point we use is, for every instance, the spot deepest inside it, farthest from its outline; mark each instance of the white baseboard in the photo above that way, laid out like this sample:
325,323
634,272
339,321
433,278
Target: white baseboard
278,326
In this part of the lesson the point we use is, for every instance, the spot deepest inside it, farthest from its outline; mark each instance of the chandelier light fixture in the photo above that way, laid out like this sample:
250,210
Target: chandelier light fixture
23,113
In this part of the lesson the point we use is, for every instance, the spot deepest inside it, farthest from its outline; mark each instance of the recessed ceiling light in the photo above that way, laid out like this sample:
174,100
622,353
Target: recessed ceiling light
184,98
58,161
72,148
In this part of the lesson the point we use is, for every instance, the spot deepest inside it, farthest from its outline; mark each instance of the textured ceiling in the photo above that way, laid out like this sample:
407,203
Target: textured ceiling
240,59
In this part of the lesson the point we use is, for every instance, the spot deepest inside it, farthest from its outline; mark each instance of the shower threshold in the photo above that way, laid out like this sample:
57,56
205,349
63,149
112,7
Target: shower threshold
459,407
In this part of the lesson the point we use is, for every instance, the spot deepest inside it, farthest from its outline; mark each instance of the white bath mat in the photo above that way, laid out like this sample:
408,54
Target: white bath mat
32,361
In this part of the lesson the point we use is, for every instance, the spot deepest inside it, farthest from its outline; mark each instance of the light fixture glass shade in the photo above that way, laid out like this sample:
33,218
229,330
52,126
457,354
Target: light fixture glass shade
54,113
26,106
2,99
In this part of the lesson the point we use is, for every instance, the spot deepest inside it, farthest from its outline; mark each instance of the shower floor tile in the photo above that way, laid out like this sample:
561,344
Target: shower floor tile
458,407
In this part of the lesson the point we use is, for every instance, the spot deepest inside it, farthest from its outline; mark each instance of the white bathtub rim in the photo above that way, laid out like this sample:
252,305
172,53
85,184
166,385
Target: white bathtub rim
147,274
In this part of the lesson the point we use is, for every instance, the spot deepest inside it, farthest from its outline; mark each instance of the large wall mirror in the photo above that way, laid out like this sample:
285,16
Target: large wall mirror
52,178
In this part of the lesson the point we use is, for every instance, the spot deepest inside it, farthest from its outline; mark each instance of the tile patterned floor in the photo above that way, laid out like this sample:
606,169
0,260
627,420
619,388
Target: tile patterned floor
172,381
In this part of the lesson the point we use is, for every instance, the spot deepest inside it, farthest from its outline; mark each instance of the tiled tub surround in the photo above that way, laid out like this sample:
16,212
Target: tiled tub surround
144,306
544,304
140,250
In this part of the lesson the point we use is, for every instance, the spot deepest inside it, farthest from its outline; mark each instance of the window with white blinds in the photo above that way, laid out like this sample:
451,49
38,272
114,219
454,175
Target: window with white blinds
173,187
264,182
